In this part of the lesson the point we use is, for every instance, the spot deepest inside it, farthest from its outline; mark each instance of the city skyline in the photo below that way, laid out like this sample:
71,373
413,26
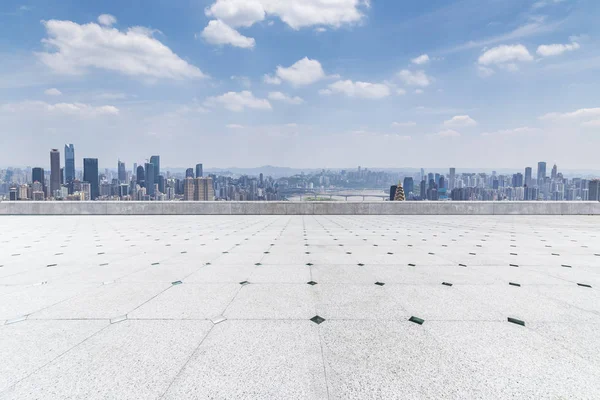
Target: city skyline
465,83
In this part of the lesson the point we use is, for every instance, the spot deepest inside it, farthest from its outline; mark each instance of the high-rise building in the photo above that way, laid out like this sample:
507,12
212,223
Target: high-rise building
393,192
199,172
69,163
122,172
423,190
37,175
541,173
594,190
554,172
90,175
189,187
409,186
189,173
141,176
155,160
150,179
205,190
452,178
528,176
54,171
135,167
517,180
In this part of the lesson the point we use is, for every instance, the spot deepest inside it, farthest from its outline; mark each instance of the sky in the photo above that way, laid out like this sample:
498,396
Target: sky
302,83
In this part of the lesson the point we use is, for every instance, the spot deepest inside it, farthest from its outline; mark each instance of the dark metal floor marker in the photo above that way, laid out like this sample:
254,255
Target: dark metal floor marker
514,284
416,320
584,285
176,283
244,283
513,265
446,284
566,266
311,283
317,320
379,283
516,321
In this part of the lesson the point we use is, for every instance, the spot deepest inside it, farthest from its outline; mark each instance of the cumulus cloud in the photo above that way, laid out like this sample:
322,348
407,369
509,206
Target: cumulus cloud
75,49
295,13
303,72
278,96
414,78
505,54
460,120
52,92
485,72
219,33
548,50
234,126
364,90
422,59
71,109
271,80
239,101
107,20
581,114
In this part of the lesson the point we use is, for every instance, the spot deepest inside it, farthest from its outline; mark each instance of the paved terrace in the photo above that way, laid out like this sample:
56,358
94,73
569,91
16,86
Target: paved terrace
299,307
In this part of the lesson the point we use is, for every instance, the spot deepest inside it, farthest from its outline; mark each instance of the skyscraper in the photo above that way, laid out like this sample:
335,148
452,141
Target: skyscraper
199,172
155,160
37,175
517,180
141,176
205,190
189,173
150,179
554,172
189,187
528,176
452,178
90,175
409,186
54,171
541,173
69,163
122,172
594,190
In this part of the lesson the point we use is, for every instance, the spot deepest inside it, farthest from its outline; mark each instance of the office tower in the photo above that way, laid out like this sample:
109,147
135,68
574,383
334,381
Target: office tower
37,175
90,175
430,177
205,190
155,160
149,179
135,167
441,182
69,163
554,172
517,180
528,176
594,190
541,173
189,173
452,178
399,193
122,172
189,187
162,183
393,192
422,175
141,176
409,186
54,171
423,191
200,172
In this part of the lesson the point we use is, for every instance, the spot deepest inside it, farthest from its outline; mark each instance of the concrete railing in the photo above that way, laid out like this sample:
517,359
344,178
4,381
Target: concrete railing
298,208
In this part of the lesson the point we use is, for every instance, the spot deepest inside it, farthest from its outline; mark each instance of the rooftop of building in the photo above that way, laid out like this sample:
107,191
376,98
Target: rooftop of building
291,306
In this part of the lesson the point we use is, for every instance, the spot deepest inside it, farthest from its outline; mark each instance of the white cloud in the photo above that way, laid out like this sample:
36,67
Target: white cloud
581,114
447,134
71,109
271,80
513,132
460,120
415,78
422,59
403,124
107,20
320,30
244,80
74,49
112,96
544,3
595,123
52,92
219,33
238,101
364,90
505,54
234,126
325,92
295,13
400,92
485,72
548,50
303,72
419,91
278,96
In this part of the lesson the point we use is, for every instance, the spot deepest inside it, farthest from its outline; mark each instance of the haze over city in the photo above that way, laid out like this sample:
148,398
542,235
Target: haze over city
494,84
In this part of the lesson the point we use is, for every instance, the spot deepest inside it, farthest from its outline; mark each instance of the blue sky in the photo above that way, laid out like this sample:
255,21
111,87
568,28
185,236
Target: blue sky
302,83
